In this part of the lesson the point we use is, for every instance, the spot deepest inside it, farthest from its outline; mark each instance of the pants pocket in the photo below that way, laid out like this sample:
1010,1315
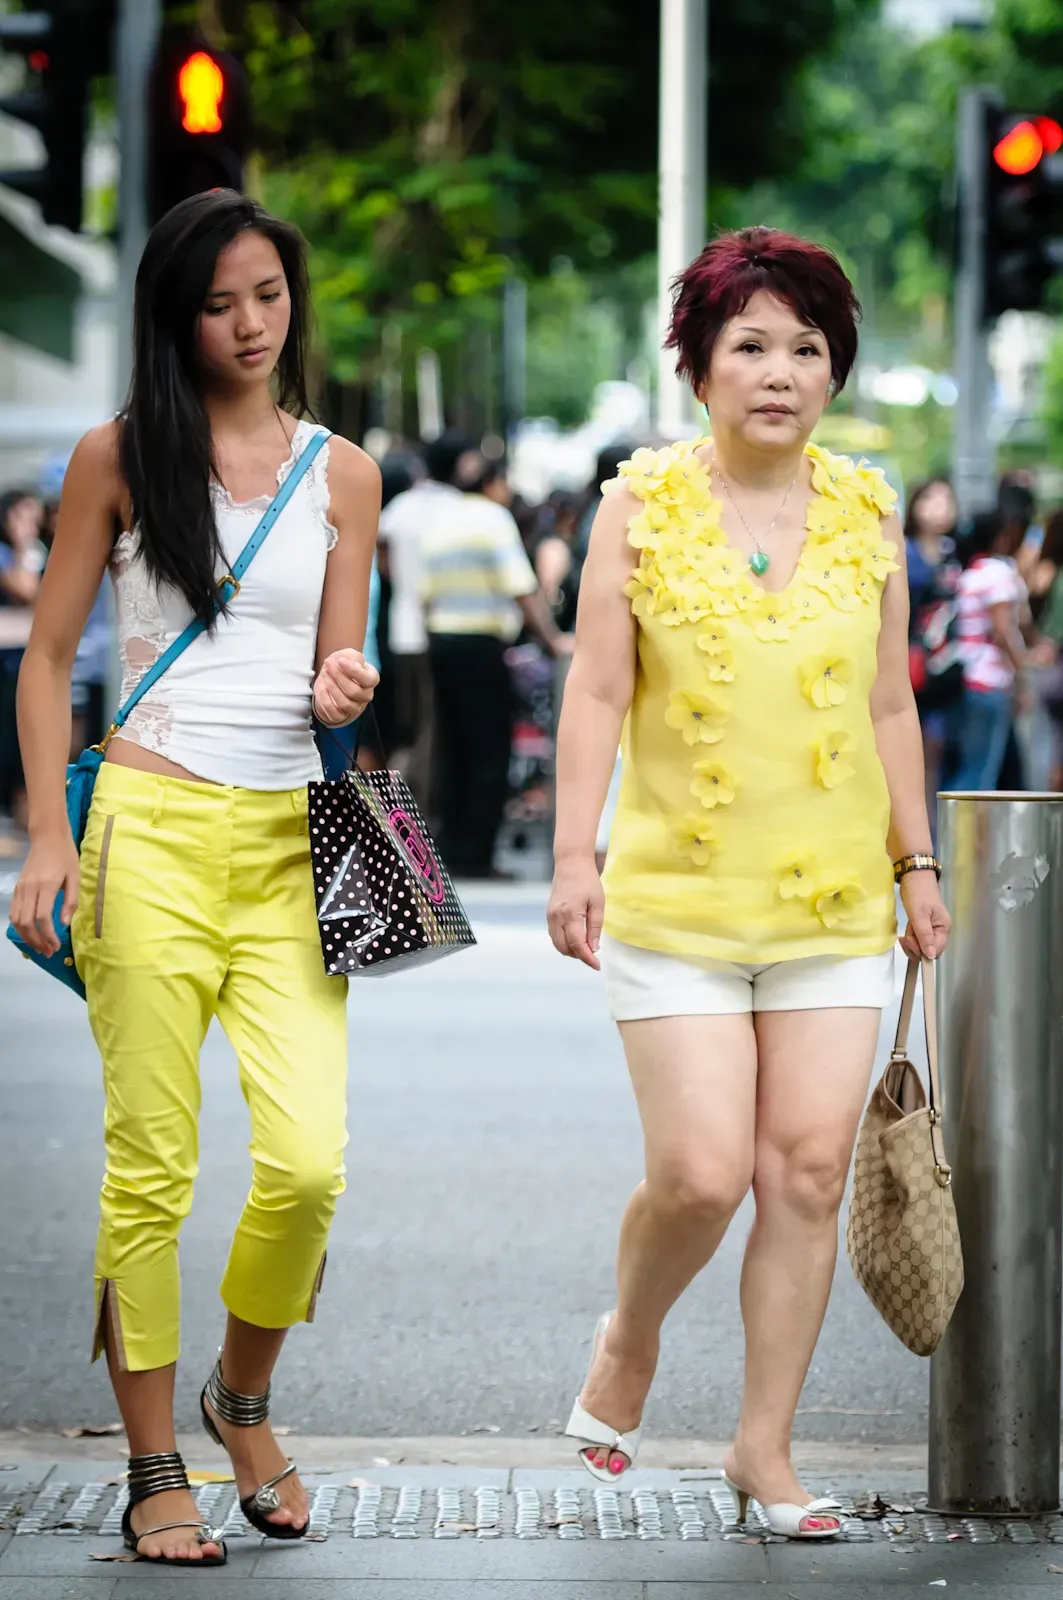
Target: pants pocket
101,876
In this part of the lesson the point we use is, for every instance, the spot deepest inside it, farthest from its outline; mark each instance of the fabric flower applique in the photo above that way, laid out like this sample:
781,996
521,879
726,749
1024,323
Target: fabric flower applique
722,667
825,681
714,784
807,602
775,618
696,837
839,905
648,527
697,717
715,641
640,590
690,600
797,880
836,580
879,562
831,766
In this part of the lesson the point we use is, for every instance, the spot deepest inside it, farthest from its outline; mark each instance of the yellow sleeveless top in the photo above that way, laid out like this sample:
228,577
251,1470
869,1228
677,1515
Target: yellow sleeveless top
753,811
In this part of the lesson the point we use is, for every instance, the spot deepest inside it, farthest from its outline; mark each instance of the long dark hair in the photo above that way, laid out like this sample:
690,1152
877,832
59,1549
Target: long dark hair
166,449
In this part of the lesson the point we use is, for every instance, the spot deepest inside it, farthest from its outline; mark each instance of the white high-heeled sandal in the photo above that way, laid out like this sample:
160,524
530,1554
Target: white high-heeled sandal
786,1518
594,1435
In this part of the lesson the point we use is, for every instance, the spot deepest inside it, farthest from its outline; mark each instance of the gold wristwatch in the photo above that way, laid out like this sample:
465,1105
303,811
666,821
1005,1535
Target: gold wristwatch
916,863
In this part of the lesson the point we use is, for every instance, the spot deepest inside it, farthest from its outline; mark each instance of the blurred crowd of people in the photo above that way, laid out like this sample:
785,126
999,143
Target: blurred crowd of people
986,639
478,606
473,612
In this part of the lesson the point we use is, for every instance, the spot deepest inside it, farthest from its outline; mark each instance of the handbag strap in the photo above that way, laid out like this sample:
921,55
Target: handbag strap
942,1170
229,583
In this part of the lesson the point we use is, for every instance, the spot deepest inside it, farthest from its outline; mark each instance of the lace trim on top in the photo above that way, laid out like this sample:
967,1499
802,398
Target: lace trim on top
316,480
142,627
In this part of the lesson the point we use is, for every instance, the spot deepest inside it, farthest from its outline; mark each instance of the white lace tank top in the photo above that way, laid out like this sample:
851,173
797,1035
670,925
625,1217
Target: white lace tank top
235,706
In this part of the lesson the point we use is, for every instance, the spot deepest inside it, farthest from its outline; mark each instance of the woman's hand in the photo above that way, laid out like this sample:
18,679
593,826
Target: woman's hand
52,865
343,688
577,910
929,923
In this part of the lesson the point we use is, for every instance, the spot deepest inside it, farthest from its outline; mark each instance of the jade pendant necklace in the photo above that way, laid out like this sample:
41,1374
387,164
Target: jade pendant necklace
760,561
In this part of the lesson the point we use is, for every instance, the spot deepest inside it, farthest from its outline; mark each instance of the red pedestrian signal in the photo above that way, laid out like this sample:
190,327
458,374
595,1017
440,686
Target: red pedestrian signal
201,85
200,121
1023,146
1020,149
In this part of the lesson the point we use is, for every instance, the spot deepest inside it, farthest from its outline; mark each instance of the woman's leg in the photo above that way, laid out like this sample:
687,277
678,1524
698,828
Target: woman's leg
814,1068
151,975
695,1083
984,738
288,1024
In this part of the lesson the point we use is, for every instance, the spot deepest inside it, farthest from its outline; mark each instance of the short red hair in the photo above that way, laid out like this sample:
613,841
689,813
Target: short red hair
728,273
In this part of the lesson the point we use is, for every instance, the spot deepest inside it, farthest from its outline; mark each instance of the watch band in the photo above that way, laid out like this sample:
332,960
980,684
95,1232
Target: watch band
916,863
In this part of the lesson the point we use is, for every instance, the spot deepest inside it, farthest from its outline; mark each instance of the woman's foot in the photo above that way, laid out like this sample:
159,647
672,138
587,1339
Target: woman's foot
257,1457
616,1390
775,1483
175,1544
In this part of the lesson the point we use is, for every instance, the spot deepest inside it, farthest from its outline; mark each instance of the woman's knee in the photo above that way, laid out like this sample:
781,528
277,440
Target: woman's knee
307,1185
153,1203
807,1178
695,1187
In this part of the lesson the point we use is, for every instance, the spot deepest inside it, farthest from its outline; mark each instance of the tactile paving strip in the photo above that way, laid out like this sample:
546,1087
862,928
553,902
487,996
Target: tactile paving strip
701,1510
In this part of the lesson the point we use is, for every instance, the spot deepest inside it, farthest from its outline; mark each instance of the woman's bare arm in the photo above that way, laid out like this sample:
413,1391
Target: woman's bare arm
344,683
900,748
92,499
597,696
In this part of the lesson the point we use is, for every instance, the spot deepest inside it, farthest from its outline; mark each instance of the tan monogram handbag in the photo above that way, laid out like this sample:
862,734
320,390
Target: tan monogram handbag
902,1237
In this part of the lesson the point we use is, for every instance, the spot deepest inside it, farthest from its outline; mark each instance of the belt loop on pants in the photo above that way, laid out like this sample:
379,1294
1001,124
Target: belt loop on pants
160,803
300,810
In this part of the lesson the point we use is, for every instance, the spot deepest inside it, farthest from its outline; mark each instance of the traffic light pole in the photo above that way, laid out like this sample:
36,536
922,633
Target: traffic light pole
682,182
974,460
139,22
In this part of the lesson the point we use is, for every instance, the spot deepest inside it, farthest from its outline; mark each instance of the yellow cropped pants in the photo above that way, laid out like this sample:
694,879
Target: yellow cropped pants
197,901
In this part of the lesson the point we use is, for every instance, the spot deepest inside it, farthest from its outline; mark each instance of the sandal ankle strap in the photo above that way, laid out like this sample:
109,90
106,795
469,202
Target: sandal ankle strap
240,1410
155,1474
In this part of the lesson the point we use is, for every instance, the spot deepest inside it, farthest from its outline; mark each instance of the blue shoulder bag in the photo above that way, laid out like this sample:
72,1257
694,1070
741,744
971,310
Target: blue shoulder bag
81,776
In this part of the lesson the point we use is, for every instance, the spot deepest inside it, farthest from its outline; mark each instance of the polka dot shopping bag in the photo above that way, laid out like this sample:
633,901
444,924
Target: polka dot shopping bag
384,898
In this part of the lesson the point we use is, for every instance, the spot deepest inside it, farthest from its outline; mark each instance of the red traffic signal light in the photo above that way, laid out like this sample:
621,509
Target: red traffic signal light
1023,146
200,121
201,86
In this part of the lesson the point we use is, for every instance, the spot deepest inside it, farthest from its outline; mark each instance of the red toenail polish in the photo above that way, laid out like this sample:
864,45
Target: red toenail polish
616,1466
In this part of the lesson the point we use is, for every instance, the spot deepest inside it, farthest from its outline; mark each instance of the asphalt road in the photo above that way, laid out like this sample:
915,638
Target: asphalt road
493,1145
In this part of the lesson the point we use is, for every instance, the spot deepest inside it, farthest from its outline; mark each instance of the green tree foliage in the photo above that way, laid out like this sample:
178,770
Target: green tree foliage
427,145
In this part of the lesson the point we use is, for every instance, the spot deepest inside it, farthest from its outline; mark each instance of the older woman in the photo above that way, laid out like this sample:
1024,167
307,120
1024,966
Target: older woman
772,792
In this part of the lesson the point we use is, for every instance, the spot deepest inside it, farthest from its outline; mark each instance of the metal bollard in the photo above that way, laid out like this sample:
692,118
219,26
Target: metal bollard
995,1381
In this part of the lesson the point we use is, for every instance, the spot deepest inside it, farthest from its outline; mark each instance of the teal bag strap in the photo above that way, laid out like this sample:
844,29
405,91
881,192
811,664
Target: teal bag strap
229,585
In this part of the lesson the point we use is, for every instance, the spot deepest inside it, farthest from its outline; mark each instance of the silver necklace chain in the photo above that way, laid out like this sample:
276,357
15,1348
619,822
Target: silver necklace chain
771,526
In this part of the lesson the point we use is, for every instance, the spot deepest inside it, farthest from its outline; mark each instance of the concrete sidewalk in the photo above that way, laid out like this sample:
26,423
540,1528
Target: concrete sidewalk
461,1532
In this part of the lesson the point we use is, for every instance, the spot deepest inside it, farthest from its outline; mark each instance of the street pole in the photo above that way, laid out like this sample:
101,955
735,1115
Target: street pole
139,23
974,460
995,1381
514,353
683,181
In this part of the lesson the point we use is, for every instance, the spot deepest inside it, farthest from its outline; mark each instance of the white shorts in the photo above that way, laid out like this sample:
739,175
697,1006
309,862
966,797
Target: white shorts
647,983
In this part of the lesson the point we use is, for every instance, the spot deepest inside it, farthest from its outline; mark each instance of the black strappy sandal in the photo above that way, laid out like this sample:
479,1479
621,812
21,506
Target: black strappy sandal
244,1411
155,1474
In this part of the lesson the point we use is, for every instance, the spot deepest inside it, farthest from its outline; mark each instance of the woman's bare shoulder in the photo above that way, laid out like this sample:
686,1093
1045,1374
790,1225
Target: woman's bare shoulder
95,464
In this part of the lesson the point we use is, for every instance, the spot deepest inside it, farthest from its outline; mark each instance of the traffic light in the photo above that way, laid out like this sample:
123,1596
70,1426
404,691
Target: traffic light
1024,209
200,123
64,46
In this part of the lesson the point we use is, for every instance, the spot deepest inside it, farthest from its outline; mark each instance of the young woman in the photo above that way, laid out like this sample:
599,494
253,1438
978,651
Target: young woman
193,897
994,627
758,655
933,574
